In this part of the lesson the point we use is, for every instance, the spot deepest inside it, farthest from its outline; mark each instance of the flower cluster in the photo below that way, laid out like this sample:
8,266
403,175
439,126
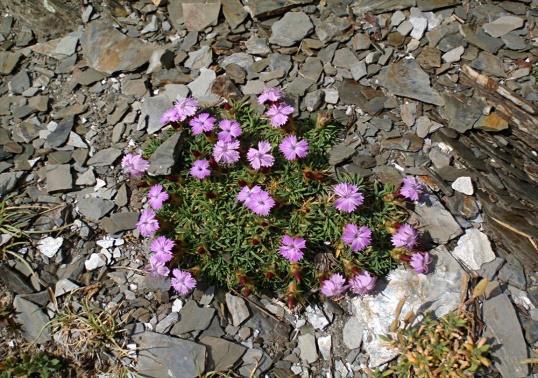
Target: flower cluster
254,195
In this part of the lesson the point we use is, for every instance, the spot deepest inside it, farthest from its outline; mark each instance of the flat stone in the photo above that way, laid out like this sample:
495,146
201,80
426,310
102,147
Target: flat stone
193,318
453,55
95,208
429,5
60,134
492,123
257,361
429,57
237,309
163,356
489,63
222,354
360,7
165,324
8,181
35,324
105,158
514,274
233,12
165,156
503,25
407,79
236,73
290,29
108,50
14,280
463,185
480,39
307,346
20,82
261,9
510,348
119,222
332,28
462,112
8,61
58,177
437,221
87,178
198,16
352,333
199,58
64,286
474,249
257,46
201,87
438,291
513,41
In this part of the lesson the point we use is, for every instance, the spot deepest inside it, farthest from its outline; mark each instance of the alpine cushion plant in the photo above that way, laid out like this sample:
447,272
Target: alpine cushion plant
254,204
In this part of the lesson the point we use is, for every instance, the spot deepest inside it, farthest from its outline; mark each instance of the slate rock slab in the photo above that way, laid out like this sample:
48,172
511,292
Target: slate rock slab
165,156
8,61
438,291
222,354
360,7
268,8
95,208
108,50
58,177
502,323
8,181
198,16
165,356
437,221
104,158
35,324
290,29
193,318
237,308
120,222
407,79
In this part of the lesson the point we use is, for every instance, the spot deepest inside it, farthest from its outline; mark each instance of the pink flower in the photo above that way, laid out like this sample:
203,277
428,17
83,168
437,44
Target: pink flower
183,282
230,130
334,286
186,107
246,193
411,189
260,203
279,114
420,261
200,169
269,94
405,236
147,224
226,152
134,165
293,149
162,246
202,123
357,238
291,248
349,197
157,266
156,196
171,115
362,283
261,157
